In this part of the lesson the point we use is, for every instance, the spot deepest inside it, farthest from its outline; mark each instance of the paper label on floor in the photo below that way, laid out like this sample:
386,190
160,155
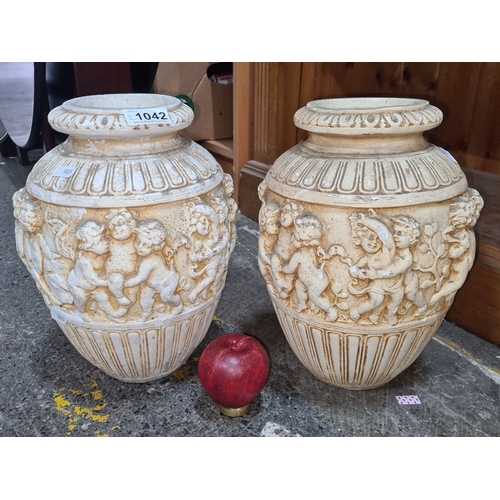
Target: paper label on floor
408,400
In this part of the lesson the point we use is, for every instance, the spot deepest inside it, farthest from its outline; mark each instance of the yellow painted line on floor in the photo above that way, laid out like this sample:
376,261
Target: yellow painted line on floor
491,372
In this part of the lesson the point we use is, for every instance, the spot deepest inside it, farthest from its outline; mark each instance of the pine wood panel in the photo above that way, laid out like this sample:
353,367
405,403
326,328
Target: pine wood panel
290,75
264,104
251,176
243,120
276,98
483,152
338,79
270,98
454,93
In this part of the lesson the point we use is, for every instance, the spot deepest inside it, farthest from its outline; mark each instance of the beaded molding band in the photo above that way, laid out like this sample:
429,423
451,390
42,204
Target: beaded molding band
83,117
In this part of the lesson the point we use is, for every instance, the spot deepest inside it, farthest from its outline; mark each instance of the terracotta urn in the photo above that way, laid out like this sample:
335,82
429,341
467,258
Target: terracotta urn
366,235
127,228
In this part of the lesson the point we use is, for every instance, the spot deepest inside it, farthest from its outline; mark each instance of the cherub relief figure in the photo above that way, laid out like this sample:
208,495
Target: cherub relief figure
28,214
227,234
269,223
406,232
284,248
207,241
377,242
312,280
156,276
122,259
39,250
88,279
227,183
261,191
460,239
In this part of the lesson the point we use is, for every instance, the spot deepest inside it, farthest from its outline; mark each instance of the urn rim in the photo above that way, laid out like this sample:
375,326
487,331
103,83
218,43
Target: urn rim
364,105
357,116
106,115
113,103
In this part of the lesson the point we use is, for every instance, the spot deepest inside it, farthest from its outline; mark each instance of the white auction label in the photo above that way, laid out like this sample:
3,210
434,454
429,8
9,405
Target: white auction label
147,116
59,316
64,171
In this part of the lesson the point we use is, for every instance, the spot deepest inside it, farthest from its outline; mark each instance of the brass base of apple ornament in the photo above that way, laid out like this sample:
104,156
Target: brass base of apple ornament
234,412
233,370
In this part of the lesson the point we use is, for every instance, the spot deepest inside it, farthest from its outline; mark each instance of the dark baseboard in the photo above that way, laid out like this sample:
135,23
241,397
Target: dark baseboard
252,174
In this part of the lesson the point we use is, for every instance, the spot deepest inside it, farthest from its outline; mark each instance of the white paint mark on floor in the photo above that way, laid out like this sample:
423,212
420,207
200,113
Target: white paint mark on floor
487,371
255,232
275,430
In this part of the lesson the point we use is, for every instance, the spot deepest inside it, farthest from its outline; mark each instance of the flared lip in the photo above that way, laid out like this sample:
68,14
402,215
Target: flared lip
365,105
368,116
113,116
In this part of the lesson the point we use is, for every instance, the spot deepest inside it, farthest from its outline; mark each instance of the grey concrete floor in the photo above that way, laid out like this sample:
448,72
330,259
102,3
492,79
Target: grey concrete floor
48,389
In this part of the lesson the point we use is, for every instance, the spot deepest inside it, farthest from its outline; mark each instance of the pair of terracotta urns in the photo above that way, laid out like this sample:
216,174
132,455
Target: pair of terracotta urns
366,235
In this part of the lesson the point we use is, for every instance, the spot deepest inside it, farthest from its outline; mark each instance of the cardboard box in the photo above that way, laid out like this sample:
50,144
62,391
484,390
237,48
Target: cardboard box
209,86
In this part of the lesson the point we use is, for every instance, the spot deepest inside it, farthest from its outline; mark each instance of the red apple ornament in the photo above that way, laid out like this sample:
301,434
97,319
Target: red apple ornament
233,370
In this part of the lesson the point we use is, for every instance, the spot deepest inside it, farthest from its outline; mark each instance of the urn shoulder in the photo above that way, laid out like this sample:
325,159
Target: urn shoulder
367,151
112,157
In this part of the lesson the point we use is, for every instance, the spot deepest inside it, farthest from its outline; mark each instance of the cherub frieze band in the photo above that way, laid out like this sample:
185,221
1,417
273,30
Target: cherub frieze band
398,267
124,266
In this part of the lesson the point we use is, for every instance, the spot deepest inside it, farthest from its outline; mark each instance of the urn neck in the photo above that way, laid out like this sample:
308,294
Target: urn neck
364,144
112,147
